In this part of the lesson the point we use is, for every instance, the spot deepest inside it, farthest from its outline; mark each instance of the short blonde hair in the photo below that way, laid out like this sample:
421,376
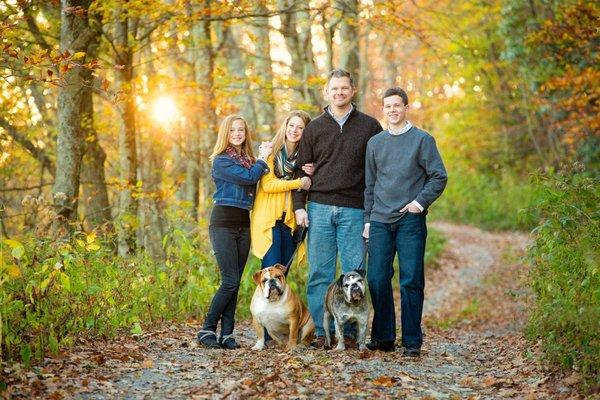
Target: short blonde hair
279,138
223,137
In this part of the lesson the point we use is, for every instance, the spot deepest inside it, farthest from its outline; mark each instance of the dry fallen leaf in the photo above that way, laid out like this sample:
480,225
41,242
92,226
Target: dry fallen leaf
384,380
489,381
572,380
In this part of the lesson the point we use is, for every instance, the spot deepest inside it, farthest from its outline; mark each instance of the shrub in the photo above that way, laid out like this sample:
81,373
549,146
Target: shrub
486,200
565,272
51,292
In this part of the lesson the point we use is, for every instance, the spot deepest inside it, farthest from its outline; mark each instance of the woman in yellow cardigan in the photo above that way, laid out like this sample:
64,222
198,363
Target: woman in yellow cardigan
272,221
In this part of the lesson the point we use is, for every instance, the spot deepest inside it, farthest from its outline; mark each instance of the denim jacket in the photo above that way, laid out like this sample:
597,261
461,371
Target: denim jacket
235,184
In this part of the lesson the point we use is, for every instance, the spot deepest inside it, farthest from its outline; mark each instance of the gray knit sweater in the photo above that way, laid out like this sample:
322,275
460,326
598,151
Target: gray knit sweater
400,169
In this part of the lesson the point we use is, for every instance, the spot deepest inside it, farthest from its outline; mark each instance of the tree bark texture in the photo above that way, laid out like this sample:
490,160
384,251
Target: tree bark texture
151,168
265,102
236,66
75,36
94,191
295,28
349,38
95,194
198,179
127,212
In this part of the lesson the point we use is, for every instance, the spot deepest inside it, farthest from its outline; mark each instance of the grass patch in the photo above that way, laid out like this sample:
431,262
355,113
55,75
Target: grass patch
489,201
467,311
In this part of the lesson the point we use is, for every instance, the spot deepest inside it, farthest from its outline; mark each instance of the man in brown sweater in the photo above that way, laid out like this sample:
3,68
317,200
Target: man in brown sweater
334,143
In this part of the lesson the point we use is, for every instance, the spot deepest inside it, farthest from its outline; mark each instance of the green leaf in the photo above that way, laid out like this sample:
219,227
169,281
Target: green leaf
137,329
93,289
45,283
26,354
17,252
53,344
65,281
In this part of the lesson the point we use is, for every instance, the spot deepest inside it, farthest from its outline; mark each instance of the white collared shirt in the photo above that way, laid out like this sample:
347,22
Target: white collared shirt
404,129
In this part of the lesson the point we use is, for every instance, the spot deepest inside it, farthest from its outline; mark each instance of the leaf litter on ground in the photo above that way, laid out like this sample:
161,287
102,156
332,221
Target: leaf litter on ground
473,348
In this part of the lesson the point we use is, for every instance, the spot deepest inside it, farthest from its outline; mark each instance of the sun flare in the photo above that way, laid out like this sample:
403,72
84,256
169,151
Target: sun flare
164,110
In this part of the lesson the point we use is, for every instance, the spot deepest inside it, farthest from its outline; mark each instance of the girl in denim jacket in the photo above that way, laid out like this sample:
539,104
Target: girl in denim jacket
235,173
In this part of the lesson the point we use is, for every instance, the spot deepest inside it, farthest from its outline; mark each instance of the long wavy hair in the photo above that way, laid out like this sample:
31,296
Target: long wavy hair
279,138
223,137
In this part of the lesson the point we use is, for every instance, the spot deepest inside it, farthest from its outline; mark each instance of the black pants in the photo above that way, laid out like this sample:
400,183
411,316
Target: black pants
231,247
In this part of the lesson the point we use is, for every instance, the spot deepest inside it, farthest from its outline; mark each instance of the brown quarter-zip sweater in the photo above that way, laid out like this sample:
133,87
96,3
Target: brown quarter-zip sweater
338,155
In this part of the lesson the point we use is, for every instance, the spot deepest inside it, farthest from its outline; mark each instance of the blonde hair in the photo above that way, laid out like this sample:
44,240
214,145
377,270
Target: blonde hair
223,137
279,138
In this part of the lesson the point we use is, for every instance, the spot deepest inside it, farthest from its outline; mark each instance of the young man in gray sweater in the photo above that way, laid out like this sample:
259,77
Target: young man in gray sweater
404,175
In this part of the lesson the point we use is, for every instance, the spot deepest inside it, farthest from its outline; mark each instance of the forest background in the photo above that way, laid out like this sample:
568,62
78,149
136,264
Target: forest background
109,109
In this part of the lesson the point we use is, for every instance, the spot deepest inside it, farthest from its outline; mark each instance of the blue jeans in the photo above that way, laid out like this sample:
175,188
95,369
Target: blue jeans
331,229
406,237
282,248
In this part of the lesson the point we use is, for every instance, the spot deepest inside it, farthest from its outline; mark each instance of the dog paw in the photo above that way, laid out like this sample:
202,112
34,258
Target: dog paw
258,346
361,347
340,347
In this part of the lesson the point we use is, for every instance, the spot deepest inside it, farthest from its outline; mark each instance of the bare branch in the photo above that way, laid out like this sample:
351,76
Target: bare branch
35,151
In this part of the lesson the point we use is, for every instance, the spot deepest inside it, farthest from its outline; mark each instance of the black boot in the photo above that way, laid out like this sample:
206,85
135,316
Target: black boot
228,342
381,345
208,339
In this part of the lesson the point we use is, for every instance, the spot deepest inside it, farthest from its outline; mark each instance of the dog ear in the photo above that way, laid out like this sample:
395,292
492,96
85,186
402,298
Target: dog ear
340,281
361,272
282,268
256,277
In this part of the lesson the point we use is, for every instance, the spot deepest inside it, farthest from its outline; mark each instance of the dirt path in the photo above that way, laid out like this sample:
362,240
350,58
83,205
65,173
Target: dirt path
474,314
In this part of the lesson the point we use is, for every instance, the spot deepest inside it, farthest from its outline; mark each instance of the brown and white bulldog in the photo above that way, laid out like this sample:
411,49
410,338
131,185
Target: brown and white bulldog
278,309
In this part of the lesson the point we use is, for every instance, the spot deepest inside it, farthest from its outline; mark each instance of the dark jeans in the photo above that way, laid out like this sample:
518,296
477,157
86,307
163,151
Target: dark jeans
231,247
406,237
282,248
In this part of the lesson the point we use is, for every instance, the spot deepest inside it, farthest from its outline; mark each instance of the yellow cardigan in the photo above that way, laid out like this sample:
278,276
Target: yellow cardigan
273,198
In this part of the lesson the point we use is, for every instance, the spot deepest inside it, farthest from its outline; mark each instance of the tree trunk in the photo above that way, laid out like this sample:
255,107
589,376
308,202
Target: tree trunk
127,214
329,32
389,61
75,36
236,66
205,123
349,37
265,103
295,28
151,166
95,194
364,70
94,191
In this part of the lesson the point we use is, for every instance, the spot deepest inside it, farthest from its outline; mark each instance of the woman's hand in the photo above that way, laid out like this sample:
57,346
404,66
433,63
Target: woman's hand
306,182
308,169
264,150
